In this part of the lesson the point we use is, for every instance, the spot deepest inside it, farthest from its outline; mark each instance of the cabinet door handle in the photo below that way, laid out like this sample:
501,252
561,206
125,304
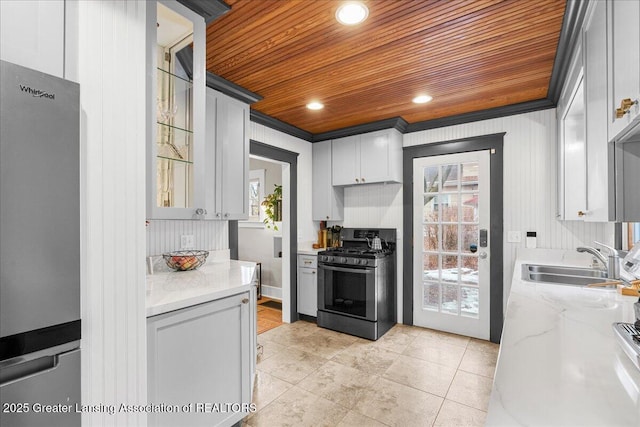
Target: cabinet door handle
217,214
357,180
625,106
582,213
313,272
362,179
226,215
245,300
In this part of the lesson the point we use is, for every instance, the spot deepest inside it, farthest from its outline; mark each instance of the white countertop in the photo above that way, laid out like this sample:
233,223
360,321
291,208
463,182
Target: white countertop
174,290
305,248
559,362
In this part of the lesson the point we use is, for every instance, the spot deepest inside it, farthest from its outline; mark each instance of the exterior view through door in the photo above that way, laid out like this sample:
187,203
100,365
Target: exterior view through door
451,245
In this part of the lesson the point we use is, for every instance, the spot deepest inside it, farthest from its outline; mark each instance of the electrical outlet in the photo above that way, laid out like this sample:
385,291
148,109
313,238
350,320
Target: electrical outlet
514,237
186,241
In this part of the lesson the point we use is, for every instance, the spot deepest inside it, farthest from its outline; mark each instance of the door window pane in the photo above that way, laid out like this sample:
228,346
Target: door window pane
469,269
431,179
430,269
469,207
430,209
469,237
450,237
449,178
450,299
450,268
431,296
430,240
449,204
469,181
469,301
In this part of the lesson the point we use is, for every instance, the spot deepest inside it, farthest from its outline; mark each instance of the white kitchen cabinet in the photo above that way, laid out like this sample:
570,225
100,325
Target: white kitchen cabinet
594,43
327,200
308,285
32,34
623,18
175,114
368,158
201,354
227,145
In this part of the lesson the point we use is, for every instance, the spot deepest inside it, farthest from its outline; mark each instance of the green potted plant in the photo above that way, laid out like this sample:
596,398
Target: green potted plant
273,207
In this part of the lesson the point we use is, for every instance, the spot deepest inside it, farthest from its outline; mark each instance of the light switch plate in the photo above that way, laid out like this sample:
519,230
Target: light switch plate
186,241
514,237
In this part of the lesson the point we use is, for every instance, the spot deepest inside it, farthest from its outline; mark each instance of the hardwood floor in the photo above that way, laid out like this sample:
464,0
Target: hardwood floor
268,317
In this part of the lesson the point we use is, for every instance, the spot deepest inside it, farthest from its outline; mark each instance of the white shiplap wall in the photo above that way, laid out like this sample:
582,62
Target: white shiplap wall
530,158
529,189
260,133
164,235
106,40
378,206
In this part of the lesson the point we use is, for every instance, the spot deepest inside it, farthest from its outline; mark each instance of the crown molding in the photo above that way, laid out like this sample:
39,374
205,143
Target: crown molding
208,9
574,15
273,123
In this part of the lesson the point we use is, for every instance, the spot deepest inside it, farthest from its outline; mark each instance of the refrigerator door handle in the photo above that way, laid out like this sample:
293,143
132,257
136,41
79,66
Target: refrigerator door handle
32,364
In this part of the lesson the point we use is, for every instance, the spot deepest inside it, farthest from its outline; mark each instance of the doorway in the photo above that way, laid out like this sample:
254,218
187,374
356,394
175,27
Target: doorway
260,237
289,226
436,308
451,250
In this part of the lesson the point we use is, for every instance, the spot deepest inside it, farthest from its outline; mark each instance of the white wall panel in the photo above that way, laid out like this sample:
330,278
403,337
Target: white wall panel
164,235
260,133
529,182
110,40
378,206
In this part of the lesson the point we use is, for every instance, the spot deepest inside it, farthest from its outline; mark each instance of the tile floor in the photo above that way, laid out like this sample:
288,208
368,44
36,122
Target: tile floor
310,376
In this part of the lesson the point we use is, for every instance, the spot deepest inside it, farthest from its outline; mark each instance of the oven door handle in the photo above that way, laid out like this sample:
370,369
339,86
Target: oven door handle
347,270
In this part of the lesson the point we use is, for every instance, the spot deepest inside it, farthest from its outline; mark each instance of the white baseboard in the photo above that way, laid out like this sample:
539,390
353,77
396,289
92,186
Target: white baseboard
272,292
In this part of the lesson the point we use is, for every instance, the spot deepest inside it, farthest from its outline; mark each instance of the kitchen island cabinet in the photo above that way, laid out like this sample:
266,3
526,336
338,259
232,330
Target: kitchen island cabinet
559,361
201,344
369,158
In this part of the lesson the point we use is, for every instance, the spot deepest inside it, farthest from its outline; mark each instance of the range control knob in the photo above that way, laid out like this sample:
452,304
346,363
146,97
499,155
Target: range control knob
343,260
329,258
322,258
363,262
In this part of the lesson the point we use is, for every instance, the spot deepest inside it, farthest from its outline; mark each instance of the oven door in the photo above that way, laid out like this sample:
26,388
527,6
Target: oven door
349,291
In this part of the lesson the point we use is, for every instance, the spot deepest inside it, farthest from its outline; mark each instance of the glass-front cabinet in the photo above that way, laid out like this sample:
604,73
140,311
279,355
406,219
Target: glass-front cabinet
176,83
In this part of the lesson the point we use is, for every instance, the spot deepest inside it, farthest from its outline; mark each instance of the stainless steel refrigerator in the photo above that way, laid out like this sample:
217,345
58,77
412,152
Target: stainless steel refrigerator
39,248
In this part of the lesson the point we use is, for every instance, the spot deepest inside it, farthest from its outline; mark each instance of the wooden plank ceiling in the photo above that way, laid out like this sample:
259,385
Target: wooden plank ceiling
469,55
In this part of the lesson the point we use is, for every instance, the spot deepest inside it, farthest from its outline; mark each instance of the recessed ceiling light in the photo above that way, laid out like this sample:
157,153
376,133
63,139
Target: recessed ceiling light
352,13
422,99
315,106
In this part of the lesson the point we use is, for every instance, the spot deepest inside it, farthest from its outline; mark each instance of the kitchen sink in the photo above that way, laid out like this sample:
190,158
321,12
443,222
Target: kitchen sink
572,276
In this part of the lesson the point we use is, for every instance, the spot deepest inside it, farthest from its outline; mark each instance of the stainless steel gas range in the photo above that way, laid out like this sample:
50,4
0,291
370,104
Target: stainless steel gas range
356,283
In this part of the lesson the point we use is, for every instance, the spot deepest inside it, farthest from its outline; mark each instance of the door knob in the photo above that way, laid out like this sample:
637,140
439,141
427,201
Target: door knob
245,300
483,255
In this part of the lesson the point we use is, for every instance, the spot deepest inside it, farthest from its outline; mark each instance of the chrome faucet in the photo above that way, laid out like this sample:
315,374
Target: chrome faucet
611,265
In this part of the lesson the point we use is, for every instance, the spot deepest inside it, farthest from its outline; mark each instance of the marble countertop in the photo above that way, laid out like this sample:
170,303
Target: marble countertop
559,362
305,248
168,291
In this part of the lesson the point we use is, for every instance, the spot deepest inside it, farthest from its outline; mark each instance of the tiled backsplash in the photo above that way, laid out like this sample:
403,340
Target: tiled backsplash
164,235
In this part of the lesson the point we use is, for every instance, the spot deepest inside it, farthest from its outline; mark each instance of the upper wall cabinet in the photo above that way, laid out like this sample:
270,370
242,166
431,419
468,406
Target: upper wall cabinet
598,206
328,201
368,158
176,113
227,147
623,18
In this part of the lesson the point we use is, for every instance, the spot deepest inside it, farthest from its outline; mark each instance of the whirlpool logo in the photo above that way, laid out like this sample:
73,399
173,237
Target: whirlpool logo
37,93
